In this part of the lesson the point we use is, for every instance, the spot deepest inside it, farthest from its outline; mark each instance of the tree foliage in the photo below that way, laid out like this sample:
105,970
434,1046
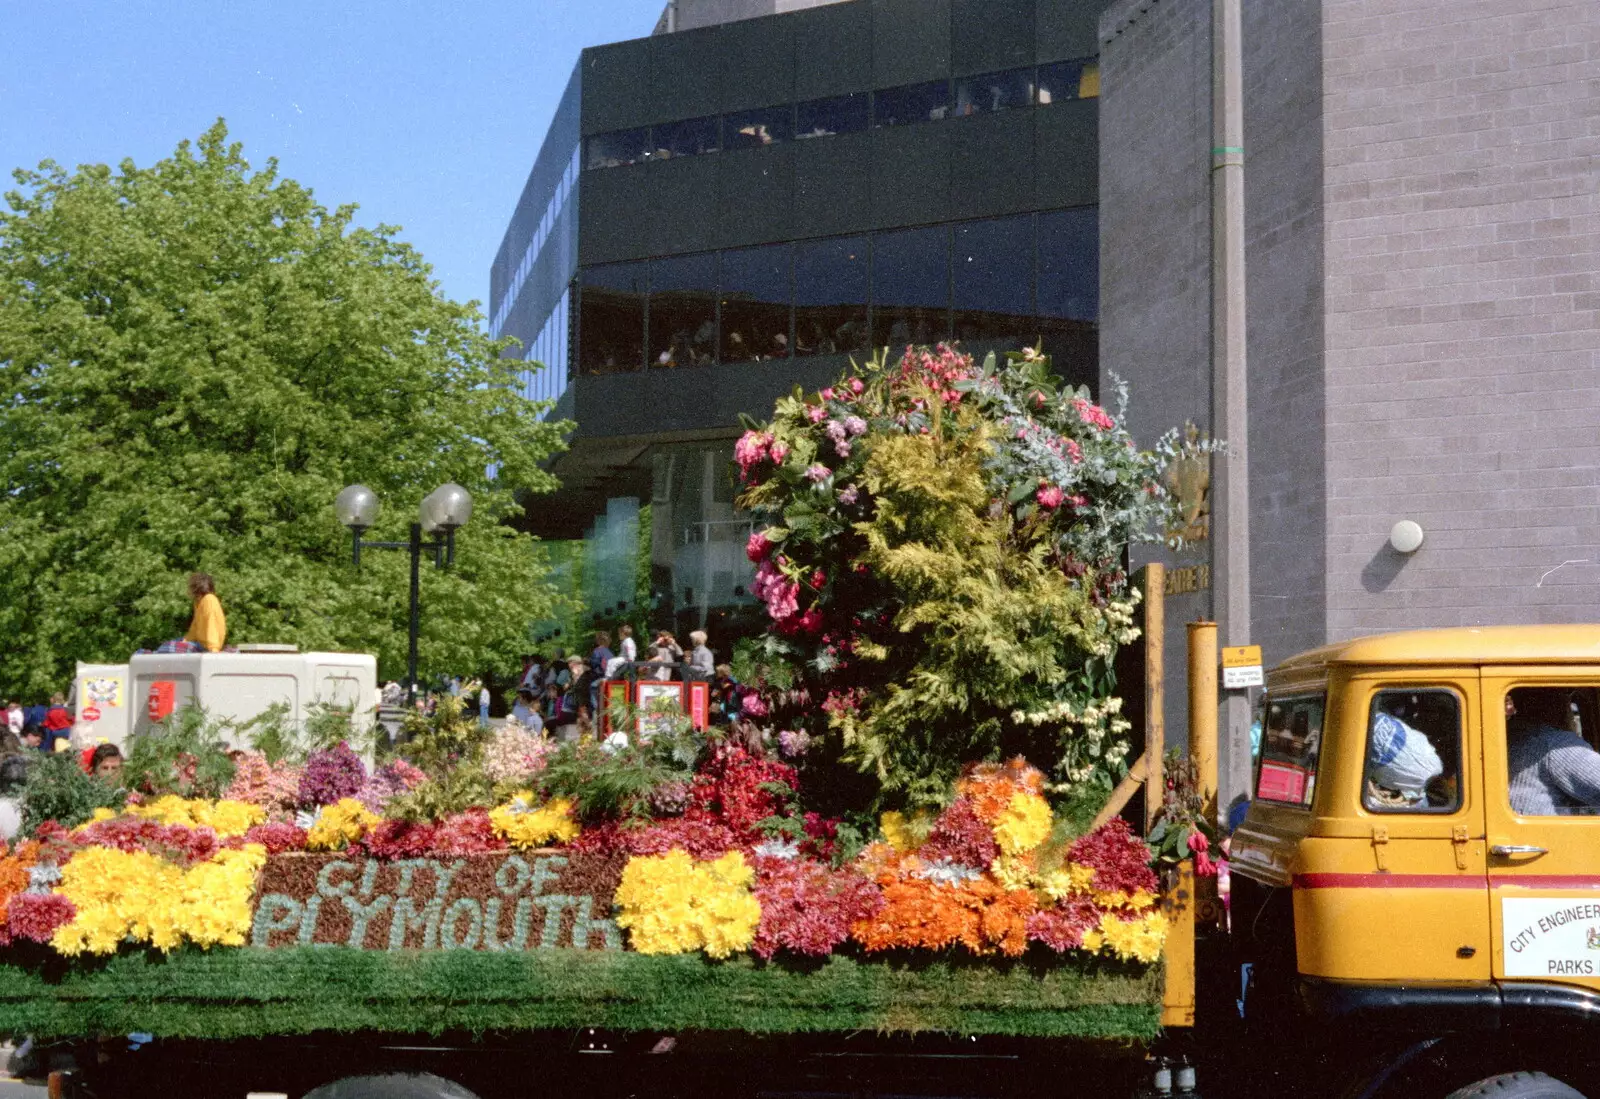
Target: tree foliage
196,358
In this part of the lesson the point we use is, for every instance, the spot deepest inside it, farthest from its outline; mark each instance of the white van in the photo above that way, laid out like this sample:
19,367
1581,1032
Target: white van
117,701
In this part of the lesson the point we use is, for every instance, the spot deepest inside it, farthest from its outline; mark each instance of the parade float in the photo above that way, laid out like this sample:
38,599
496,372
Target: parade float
892,835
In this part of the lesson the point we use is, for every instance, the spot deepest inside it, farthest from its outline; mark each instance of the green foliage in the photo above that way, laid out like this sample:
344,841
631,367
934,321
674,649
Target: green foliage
58,789
197,358
615,781
462,787
274,735
449,736
185,755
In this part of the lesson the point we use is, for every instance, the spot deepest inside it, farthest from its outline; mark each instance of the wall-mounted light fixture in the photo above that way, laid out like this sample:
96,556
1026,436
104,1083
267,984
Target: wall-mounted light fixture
1406,536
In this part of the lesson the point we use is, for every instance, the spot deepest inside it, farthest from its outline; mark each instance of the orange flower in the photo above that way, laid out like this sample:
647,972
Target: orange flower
991,786
978,914
14,874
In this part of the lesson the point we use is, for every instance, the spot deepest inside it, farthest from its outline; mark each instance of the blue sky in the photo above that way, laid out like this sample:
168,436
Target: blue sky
428,115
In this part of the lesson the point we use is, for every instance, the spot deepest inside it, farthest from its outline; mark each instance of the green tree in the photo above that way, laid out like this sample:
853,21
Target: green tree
196,358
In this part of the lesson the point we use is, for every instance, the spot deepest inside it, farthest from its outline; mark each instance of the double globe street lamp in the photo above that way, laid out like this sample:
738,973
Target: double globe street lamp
443,511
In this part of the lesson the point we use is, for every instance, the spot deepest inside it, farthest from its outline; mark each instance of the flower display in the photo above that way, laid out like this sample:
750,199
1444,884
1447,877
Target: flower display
673,904
1023,824
134,896
467,833
808,907
37,916
339,825
738,789
273,786
225,817
921,914
525,823
389,782
703,839
277,837
514,753
331,776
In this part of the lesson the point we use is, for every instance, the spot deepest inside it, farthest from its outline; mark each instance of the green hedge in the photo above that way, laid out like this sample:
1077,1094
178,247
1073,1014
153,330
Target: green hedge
240,993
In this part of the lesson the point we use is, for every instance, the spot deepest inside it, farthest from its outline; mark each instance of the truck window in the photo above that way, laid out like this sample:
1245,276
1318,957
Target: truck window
1413,752
1550,756
1290,741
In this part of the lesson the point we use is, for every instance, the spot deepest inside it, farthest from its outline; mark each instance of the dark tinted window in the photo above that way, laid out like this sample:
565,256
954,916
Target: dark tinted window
1291,740
611,321
688,138
1413,752
1069,264
840,114
618,148
683,311
910,287
756,292
912,103
830,293
1068,80
994,92
993,280
762,126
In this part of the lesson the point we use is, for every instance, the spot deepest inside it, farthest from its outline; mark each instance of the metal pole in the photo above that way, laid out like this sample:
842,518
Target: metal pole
1229,404
416,612
1155,690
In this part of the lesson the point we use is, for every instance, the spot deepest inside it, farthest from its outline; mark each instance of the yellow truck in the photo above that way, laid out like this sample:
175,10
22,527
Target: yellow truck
1416,887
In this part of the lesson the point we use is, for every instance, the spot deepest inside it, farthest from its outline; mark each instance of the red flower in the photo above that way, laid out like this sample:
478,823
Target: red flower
730,790
277,837
1049,496
757,547
37,915
962,837
400,839
1121,860
808,908
703,839
1062,928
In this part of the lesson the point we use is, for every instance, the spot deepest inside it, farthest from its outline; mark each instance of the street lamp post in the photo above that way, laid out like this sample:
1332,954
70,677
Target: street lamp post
443,511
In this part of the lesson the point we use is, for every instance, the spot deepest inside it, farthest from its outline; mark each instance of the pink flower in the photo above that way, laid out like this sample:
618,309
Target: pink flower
816,413
848,495
1093,414
1203,865
855,425
827,394
1074,451
856,386
752,705
780,451
816,473
757,547
1049,496
750,450
783,600
842,449
819,578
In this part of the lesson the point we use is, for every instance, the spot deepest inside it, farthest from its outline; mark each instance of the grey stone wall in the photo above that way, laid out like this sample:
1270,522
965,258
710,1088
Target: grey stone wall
1462,161
1283,277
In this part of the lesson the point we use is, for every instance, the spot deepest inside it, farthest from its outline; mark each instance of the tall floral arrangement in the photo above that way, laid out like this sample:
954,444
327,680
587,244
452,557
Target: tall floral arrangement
939,552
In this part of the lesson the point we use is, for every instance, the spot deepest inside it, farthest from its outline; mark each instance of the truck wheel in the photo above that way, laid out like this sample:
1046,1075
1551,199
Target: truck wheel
423,1085
1517,1085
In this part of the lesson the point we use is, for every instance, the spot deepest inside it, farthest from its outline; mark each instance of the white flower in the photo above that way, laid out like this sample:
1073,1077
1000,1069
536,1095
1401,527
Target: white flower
615,743
948,872
778,848
307,819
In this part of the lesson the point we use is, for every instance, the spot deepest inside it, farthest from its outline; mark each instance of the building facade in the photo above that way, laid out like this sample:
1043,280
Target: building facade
1423,299
747,202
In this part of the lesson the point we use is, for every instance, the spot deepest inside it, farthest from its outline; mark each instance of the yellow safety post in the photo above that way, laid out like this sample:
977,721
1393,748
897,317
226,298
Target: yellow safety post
1203,712
1155,690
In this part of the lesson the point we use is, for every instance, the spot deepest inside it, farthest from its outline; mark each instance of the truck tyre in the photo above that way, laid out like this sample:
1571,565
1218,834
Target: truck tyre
1517,1085
422,1085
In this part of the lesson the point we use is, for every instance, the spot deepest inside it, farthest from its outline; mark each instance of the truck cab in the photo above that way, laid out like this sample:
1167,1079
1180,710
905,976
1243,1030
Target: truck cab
1420,863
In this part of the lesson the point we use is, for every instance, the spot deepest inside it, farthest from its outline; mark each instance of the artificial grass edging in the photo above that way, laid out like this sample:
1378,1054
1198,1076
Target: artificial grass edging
240,993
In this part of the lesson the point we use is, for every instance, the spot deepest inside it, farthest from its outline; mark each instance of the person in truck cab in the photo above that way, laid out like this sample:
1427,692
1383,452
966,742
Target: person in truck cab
1554,771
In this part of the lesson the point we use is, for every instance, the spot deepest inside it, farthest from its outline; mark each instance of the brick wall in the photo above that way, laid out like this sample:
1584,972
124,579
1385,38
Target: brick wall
1462,164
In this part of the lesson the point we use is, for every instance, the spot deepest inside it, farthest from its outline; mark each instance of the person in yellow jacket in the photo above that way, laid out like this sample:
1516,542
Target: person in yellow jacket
208,628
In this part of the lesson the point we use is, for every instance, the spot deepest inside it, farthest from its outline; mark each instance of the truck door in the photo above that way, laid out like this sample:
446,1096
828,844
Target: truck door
1541,728
1391,884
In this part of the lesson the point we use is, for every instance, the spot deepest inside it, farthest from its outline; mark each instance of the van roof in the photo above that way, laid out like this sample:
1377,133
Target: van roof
1463,645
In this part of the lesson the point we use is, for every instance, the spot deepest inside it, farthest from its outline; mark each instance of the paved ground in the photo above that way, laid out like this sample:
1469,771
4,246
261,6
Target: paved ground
16,1089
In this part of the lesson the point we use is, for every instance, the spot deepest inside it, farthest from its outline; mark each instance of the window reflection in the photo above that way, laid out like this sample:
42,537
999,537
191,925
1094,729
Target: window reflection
762,126
910,287
756,292
842,114
1069,264
913,103
683,311
687,138
620,147
993,92
611,319
1068,80
993,281
830,294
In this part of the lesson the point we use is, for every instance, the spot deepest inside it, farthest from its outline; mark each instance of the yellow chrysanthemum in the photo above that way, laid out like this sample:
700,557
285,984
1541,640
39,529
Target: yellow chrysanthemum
524,825
896,832
1067,880
225,817
1014,871
1130,940
133,896
671,904
1023,824
339,825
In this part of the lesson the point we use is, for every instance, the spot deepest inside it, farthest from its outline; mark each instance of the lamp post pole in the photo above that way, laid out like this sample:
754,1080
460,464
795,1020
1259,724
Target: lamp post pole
442,511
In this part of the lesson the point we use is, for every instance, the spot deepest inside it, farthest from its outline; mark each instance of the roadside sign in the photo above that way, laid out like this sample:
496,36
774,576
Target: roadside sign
1241,667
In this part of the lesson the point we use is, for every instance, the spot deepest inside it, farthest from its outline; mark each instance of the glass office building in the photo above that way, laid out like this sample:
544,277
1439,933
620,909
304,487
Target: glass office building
720,214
